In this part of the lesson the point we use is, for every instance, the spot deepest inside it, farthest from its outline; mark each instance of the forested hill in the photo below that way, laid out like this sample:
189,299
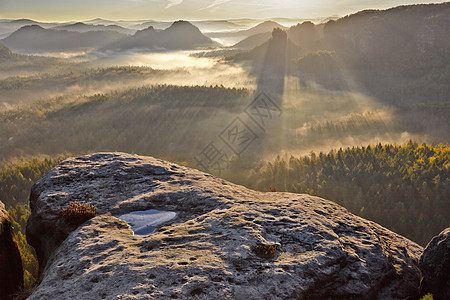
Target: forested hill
397,55
404,188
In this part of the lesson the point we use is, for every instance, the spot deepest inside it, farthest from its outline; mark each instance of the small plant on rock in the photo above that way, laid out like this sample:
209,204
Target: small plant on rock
266,251
273,189
78,212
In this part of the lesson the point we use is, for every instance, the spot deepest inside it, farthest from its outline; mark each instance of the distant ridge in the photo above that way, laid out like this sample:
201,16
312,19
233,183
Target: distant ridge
35,39
304,34
179,36
264,27
27,21
259,53
83,27
99,21
253,41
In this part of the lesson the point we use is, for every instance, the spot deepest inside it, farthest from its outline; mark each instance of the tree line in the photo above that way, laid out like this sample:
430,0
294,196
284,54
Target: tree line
405,188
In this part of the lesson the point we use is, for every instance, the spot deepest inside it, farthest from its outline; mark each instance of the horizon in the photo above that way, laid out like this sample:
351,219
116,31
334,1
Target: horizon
169,20
190,10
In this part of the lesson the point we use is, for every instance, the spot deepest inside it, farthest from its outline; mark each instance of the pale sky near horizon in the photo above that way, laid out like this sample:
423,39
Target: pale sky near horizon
79,10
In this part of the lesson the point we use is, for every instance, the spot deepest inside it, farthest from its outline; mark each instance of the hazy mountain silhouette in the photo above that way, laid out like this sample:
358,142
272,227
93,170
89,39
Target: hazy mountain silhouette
413,29
270,61
259,54
16,24
216,25
100,21
158,25
82,27
24,22
267,26
264,27
320,67
133,25
4,33
180,35
306,34
253,41
399,55
9,26
203,25
35,39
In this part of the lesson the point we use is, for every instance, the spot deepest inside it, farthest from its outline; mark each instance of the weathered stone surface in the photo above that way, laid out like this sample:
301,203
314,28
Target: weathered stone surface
215,247
11,272
435,267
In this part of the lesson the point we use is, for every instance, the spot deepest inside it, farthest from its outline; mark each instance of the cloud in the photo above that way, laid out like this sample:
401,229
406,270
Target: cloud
68,10
214,4
173,3
217,3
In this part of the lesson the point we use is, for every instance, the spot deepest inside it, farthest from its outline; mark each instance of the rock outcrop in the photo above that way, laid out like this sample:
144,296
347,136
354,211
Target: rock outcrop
227,242
435,267
11,272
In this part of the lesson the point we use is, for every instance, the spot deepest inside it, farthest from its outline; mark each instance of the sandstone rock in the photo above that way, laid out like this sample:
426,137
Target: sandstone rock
227,242
11,272
435,267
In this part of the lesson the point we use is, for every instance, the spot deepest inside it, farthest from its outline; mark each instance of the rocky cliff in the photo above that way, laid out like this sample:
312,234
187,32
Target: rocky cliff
226,242
11,272
435,267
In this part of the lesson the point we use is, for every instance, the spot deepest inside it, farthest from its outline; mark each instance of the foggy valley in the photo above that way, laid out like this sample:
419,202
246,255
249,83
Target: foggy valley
327,86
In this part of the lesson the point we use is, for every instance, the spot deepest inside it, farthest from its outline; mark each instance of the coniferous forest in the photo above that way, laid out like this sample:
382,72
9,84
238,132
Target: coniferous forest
404,188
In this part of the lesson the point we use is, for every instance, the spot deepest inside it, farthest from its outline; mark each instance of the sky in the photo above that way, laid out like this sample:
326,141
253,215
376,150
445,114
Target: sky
79,10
